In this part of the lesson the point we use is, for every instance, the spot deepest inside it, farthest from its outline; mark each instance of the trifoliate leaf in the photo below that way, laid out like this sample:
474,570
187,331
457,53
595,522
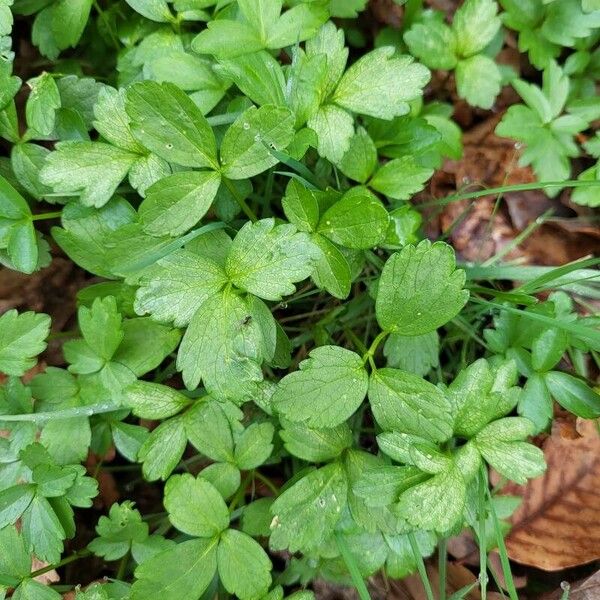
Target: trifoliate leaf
167,122
358,220
42,103
176,203
189,566
244,567
381,84
400,178
118,531
245,150
175,287
305,515
329,386
420,289
154,401
315,445
267,259
90,170
405,402
195,506
22,337
254,446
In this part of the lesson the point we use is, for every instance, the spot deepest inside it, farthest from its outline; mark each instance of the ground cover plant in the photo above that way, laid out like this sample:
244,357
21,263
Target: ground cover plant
290,377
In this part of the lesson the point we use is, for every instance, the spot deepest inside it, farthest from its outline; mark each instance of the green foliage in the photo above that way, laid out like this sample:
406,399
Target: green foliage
268,331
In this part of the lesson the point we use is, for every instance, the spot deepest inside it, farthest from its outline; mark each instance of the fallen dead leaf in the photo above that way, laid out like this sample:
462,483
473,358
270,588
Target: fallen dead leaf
557,525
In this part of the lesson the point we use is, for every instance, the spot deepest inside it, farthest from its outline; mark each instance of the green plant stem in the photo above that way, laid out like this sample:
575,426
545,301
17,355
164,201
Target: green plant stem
48,215
356,340
442,563
357,580
510,584
483,578
243,205
262,478
370,353
519,187
65,561
420,565
123,565
241,491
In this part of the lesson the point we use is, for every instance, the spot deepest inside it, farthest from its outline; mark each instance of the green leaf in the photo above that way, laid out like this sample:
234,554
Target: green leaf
267,259
436,504
167,122
254,446
14,501
358,220
420,289
315,445
406,402
258,75
381,84
69,18
256,518
27,161
244,567
223,348
296,25
174,288
383,485
360,160
118,531
475,24
189,566
154,401
23,247
227,39
15,560
209,430
163,449
42,103
176,203
225,477
434,43
305,515
400,178
22,337
535,402
332,271
155,10
101,326
12,205
245,150
327,389
329,42
548,348
300,206
112,122
42,530
416,354
478,80
573,394
334,128
195,506
34,590
517,461
90,170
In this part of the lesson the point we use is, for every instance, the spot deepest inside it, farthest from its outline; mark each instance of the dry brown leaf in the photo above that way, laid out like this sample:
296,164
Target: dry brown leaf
557,525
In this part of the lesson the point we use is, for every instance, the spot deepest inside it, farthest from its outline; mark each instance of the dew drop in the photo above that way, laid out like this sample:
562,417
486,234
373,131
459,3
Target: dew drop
257,138
246,125
169,146
321,502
